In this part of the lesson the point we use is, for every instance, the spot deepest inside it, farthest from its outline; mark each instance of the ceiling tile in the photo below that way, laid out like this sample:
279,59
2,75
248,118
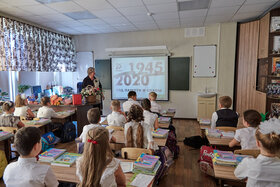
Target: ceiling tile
170,25
192,24
255,7
126,3
163,8
36,19
193,5
80,15
167,15
94,4
13,11
38,9
193,13
139,18
150,2
260,1
92,22
147,27
168,22
56,17
131,11
117,21
225,3
218,19
245,16
20,2
231,10
192,19
106,13
65,7
72,23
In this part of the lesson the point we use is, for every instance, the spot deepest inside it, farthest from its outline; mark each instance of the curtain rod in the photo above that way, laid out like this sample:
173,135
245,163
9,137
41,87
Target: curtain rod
4,15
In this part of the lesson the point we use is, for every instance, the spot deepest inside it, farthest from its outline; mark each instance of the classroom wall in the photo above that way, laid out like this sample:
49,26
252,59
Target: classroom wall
185,102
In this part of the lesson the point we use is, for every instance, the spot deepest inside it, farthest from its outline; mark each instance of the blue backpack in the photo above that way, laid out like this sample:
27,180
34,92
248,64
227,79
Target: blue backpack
48,141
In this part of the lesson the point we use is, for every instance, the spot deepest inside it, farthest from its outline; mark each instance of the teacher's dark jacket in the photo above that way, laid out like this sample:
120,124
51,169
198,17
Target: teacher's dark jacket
87,81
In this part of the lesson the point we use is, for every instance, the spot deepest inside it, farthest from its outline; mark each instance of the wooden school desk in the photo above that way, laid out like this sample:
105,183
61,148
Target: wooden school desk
5,143
119,135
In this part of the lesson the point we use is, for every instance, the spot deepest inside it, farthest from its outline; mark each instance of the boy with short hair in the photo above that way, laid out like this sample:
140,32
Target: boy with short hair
132,96
117,117
27,171
225,117
94,118
155,107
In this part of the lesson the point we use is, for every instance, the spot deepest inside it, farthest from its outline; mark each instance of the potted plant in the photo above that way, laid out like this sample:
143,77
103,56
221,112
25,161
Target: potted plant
90,93
22,88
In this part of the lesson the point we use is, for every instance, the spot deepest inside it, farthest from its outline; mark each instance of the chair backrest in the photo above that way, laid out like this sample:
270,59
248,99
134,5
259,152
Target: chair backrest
227,128
252,152
9,129
133,153
115,128
79,87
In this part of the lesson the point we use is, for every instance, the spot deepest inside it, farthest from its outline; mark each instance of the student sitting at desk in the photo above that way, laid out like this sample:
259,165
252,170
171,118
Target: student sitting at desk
21,107
93,116
27,171
155,107
224,117
265,169
149,118
7,119
46,111
132,96
136,132
97,166
246,136
117,117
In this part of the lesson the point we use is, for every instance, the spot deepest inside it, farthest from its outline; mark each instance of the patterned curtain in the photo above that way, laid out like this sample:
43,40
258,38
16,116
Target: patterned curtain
27,48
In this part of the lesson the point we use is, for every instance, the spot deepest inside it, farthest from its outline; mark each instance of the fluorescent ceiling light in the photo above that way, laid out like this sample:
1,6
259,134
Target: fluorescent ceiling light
80,15
193,5
50,1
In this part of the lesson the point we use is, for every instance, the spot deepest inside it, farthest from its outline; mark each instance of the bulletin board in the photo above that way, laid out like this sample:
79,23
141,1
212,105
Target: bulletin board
204,60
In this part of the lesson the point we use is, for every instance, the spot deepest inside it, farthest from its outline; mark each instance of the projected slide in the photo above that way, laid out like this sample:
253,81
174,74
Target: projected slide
141,74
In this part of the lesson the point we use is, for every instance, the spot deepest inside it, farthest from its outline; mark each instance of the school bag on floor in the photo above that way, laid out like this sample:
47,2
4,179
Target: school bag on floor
68,132
205,160
171,143
196,141
166,159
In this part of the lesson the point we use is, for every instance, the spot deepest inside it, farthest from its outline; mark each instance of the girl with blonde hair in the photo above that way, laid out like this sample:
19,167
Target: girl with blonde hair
21,107
97,166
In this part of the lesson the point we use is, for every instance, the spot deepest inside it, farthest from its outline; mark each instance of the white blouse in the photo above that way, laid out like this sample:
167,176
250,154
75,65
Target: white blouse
108,177
155,107
147,132
128,104
86,128
150,118
261,171
21,111
116,119
46,112
246,137
27,172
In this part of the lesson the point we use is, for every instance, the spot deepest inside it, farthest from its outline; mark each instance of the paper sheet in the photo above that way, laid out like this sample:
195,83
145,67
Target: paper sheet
127,166
142,180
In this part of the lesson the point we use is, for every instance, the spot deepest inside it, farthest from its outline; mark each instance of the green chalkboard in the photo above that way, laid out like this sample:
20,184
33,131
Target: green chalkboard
179,73
103,72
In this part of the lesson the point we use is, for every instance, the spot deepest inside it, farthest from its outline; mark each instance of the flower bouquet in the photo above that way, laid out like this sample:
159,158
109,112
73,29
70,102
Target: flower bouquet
90,93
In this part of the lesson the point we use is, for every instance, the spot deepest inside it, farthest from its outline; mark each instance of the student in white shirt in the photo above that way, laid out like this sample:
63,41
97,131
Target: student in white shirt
93,116
155,107
224,117
46,111
21,107
149,118
265,169
117,117
7,119
97,166
246,136
27,172
136,132
132,96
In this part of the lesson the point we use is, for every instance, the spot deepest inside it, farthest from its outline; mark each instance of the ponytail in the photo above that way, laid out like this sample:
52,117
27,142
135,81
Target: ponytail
140,136
129,137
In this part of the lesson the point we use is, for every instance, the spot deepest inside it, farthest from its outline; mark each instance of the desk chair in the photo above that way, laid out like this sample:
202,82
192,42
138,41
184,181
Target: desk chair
227,128
79,87
252,152
133,153
115,128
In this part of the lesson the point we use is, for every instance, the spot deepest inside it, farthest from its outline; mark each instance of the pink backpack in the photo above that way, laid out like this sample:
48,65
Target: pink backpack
205,160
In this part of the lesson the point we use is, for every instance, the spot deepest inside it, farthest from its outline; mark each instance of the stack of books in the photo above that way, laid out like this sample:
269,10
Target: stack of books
227,158
4,135
163,119
66,160
51,154
216,133
204,121
160,133
171,110
146,164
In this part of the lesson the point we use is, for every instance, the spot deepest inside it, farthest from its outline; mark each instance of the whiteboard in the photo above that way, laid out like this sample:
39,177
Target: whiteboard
84,61
204,61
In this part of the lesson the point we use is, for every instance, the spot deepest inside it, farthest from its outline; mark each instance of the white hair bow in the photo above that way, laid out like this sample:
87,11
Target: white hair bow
272,125
23,96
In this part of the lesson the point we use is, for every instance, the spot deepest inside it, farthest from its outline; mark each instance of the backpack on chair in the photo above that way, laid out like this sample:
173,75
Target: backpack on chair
205,160
68,132
171,143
